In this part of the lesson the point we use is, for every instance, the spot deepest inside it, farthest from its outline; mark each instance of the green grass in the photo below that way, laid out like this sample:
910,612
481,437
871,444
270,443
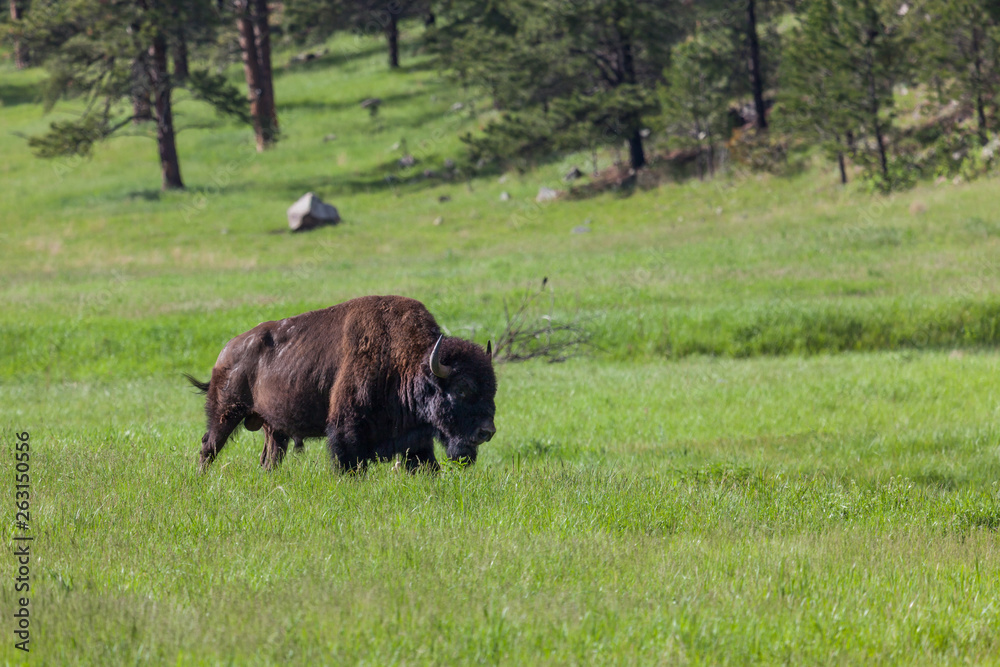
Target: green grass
784,446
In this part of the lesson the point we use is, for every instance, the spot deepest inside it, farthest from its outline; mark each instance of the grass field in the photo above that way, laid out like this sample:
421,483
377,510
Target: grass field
783,448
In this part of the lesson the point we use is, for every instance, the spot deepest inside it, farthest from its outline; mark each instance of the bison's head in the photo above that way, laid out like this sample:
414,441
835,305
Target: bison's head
461,407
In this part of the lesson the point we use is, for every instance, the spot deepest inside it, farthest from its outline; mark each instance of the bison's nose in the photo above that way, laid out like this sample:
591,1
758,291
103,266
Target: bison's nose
486,432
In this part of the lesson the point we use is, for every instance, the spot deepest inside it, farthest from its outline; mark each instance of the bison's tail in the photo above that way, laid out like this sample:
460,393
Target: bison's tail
200,386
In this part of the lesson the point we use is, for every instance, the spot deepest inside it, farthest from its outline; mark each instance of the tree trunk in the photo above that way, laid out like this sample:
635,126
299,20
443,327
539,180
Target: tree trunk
756,75
142,109
874,108
636,154
22,58
262,37
633,123
251,68
843,167
392,36
160,80
181,69
977,85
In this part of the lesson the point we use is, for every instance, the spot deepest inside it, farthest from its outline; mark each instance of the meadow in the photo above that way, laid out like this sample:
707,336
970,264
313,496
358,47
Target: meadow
782,446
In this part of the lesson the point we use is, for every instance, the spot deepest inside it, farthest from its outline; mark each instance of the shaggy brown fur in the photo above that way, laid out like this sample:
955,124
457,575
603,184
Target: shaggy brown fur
358,373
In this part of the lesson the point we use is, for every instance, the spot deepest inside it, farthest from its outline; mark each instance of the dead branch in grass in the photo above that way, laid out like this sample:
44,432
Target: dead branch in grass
527,335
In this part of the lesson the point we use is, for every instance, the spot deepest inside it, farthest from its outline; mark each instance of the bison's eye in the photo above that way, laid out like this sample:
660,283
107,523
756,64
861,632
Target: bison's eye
463,392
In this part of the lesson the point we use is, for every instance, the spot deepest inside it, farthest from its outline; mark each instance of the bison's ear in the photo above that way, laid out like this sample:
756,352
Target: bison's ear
489,349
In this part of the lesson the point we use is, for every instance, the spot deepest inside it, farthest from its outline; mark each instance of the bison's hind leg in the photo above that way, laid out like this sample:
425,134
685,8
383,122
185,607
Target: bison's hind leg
275,446
299,447
215,439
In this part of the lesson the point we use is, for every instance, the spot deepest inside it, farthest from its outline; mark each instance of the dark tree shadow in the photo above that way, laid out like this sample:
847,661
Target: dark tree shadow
331,59
12,94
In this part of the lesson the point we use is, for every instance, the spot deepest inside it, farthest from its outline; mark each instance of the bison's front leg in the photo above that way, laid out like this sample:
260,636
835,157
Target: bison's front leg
348,450
421,454
275,446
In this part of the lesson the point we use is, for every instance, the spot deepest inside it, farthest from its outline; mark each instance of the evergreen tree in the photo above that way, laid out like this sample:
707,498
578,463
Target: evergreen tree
819,91
107,53
841,66
959,46
697,92
566,73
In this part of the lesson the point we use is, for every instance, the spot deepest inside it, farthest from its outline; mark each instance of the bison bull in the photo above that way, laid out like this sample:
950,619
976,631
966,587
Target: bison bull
374,375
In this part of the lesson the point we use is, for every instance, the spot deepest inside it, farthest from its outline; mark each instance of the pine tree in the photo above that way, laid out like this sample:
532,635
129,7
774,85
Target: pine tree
109,53
841,66
697,92
959,45
566,71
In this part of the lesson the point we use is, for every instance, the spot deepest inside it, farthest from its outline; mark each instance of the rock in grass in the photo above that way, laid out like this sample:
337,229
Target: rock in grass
504,196
310,212
547,194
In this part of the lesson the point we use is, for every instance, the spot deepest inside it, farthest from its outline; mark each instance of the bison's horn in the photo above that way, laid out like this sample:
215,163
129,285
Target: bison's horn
489,349
439,369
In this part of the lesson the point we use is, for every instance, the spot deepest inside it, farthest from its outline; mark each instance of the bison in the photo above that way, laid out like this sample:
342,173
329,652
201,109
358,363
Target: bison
374,375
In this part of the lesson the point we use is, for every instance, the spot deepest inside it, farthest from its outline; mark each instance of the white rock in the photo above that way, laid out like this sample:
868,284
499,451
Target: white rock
546,194
310,212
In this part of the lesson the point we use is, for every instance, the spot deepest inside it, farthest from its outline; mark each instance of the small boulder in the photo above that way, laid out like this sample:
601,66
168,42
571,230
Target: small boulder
330,137
504,196
546,194
310,212
407,161
444,198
